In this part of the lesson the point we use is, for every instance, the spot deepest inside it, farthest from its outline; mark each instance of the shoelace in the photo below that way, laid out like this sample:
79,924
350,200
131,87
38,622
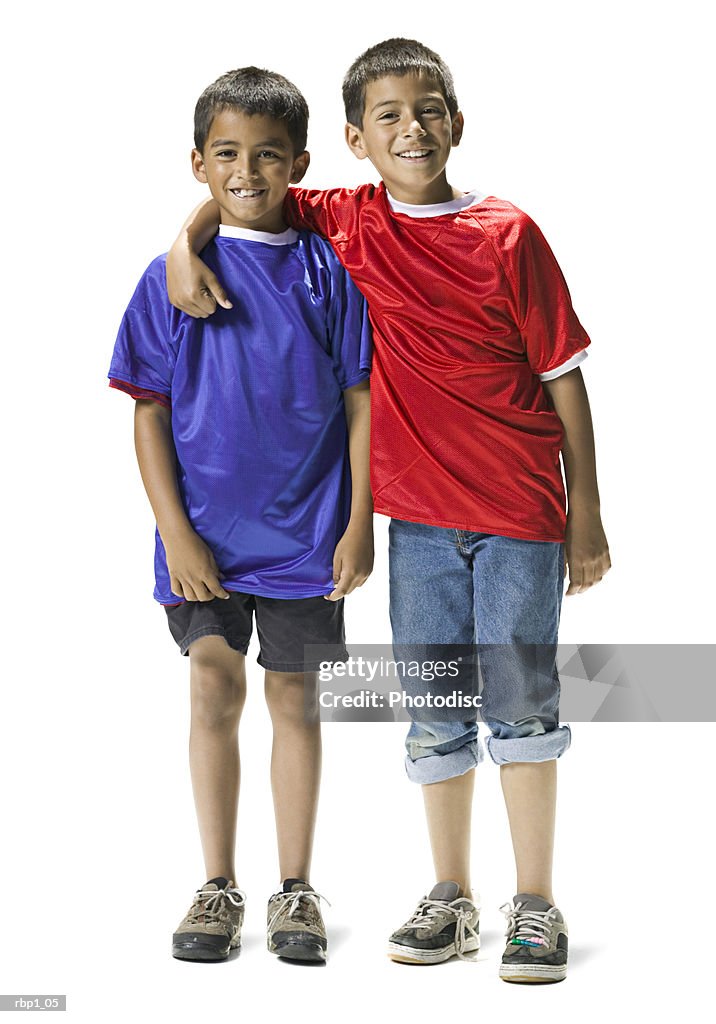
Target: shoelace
434,908
208,904
529,925
295,899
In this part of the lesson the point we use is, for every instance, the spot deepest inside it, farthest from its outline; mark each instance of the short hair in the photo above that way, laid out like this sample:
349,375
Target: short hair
253,91
394,57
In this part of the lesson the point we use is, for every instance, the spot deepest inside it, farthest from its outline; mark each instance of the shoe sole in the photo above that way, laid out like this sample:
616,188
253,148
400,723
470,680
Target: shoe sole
200,952
533,975
308,953
412,955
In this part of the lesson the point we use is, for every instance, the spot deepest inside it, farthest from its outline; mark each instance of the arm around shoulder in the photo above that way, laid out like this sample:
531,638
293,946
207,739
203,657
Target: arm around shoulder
192,287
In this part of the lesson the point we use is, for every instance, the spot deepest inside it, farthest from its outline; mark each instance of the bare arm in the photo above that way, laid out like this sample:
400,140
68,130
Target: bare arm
353,557
193,572
586,542
191,286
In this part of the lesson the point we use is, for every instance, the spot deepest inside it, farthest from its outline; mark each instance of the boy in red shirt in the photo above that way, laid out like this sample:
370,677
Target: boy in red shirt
476,389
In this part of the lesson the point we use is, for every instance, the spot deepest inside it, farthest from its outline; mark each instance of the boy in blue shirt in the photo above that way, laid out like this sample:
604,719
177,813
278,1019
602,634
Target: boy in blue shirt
252,433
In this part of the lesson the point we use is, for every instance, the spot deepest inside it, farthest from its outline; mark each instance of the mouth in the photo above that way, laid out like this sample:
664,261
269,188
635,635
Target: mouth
415,155
247,193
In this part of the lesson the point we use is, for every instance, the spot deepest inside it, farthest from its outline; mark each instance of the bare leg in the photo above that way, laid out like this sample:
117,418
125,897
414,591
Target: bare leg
218,691
295,770
448,807
530,791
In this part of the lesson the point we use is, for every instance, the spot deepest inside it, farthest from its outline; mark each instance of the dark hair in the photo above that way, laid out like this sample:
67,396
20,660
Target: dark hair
253,91
394,57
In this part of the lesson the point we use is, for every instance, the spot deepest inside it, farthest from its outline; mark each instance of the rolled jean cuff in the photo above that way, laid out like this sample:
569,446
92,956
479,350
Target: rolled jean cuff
439,767
545,747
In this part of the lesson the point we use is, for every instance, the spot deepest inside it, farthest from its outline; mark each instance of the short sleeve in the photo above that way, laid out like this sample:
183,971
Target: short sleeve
144,353
554,339
350,335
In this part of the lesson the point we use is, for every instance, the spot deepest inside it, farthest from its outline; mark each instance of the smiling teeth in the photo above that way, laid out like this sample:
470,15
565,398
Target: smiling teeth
413,153
247,193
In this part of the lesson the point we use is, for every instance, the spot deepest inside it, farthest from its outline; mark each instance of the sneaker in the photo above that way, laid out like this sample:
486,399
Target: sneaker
444,925
212,925
536,941
295,928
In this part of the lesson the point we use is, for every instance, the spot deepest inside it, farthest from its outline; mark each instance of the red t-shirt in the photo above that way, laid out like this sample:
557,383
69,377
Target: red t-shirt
469,311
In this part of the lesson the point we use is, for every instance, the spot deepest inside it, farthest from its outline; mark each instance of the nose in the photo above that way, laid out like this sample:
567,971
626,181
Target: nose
247,169
414,129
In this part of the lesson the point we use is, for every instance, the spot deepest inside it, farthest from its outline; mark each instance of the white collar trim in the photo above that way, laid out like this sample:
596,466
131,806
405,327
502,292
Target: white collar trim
287,237
437,209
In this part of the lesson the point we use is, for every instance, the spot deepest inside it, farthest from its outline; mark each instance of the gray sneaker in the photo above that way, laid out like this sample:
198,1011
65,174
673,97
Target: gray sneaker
444,925
537,942
295,928
212,926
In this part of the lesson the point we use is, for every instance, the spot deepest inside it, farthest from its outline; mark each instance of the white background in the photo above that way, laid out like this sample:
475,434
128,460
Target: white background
593,118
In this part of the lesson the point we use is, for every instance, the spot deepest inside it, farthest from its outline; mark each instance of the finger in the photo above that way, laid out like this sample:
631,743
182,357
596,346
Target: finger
205,301
213,577
600,571
348,583
575,580
188,307
339,590
588,579
212,282
202,591
216,589
581,578
176,586
189,594
196,311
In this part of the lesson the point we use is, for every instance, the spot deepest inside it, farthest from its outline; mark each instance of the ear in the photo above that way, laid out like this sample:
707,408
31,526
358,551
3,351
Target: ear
300,166
458,123
354,140
198,167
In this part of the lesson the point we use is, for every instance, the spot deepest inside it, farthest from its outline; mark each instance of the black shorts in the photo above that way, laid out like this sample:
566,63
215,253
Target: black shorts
283,627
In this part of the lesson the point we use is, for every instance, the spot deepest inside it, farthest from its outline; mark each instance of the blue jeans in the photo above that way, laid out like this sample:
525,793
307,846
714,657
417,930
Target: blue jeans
452,587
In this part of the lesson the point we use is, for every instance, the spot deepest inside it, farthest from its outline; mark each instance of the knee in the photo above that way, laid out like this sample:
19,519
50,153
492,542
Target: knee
291,698
217,697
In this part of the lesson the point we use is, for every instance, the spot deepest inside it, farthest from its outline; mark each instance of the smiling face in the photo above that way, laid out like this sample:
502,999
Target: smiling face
248,163
407,135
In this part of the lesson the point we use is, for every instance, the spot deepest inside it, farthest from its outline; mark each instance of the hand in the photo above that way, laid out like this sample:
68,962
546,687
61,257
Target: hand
193,571
352,560
587,551
192,287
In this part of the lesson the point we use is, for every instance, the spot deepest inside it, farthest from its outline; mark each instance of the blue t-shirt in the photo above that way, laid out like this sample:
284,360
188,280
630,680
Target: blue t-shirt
257,409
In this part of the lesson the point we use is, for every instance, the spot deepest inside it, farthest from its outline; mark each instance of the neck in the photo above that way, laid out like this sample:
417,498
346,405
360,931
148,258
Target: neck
438,191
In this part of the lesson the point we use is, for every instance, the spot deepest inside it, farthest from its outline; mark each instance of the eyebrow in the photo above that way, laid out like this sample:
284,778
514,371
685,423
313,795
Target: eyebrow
265,142
395,103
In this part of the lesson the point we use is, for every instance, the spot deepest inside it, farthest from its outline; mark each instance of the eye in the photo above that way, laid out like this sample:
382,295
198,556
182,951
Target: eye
227,154
388,115
268,154
434,110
